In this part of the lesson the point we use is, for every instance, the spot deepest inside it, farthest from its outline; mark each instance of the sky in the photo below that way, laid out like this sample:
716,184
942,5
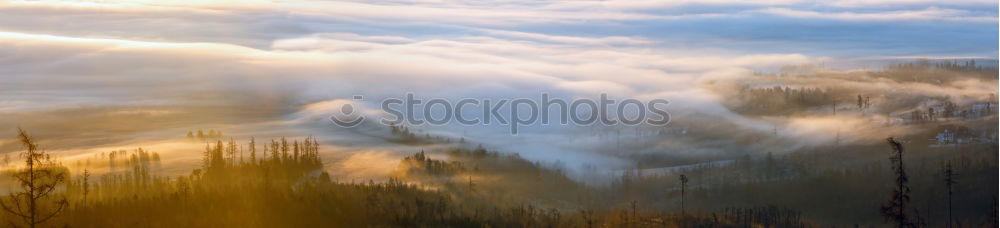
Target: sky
673,37
151,68
815,28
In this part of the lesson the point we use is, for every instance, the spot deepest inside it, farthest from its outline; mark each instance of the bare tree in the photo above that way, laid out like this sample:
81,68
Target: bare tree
38,180
253,150
949,181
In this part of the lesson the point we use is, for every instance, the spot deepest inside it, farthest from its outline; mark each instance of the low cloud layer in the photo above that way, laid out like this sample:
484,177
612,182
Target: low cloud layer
274,69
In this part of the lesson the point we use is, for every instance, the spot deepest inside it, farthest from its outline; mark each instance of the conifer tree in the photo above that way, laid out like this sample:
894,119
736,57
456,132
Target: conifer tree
684,181
895,209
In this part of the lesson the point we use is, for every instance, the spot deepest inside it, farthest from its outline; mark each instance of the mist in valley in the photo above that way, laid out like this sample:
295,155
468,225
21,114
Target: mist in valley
219,114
